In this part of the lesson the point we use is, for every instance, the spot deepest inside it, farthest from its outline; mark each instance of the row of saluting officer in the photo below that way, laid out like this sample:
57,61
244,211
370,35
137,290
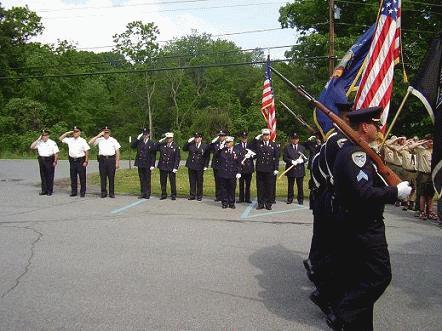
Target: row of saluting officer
229,162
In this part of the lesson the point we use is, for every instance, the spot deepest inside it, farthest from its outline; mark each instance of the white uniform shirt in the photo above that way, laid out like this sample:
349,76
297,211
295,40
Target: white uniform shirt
47,148
77,146
107,147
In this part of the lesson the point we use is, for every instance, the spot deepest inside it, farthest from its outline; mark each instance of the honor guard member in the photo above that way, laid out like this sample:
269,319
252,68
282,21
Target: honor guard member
228,172
361,195
108,160
294,157
145,161
267,164
214,146
247,167
47,151
78,159
324,256
197,162
168,164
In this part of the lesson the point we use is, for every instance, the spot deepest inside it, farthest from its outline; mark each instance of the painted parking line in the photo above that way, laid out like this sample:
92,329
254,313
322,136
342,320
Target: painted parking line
133,204
246,212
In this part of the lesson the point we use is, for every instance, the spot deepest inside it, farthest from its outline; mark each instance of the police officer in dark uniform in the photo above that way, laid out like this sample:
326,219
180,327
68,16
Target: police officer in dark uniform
360,198
168,164
145,161
197,162
215,146
228,171
267,164
324,256
247,167
294,155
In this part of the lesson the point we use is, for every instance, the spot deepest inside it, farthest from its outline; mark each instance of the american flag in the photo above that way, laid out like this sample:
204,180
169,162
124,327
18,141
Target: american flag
377,80
268,103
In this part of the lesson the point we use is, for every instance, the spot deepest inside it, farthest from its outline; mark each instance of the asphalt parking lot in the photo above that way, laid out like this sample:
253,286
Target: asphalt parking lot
128,264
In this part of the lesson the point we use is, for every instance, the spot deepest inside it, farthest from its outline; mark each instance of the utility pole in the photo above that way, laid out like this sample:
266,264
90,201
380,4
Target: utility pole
331,37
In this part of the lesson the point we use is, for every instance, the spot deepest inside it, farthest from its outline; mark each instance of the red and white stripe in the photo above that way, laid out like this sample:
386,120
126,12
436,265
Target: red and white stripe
268,108
377,79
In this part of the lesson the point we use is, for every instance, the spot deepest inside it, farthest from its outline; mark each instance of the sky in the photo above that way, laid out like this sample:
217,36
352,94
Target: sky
90,24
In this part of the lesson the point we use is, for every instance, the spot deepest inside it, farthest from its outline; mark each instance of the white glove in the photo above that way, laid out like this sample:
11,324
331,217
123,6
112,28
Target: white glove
139,136
312,138
191,139
174,171
294,162
258,137
214,140
276,172
205,168
222,144
238,176
403,190
151,168
161,140
300,160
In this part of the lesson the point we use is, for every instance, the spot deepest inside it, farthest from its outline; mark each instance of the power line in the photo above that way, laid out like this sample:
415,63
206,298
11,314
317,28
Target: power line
181,9
376,5
110,61
97,73
216,35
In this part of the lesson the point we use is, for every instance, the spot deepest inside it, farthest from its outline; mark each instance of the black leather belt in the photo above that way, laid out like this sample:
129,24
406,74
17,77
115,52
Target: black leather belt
76,159
46,157
106,156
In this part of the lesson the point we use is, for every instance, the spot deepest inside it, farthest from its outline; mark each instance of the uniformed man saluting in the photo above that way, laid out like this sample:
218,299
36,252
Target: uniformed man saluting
47,160
108,159
360,198
78,159
214,146
145,161
267,164
168,164
197,162
228,171
247,167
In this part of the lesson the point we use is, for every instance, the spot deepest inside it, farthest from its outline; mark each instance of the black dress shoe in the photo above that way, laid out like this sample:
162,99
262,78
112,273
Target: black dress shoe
147,197
318,300
259,207
42,193
173,198
289,202
82,195
112,196
103,195
232,206
248,201
300,202
73,194
269,207
224,206
191,198
163,197
199,198
49,194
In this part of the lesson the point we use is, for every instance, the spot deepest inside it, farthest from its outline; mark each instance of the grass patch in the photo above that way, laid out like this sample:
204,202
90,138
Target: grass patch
127,182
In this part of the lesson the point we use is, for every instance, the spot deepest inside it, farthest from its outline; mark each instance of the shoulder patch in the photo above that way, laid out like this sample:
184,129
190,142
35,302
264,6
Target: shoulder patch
359,158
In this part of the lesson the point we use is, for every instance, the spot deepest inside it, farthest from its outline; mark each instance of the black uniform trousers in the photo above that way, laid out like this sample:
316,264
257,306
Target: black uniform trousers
300,186
244,187
217,185
47,170
265,182
227,188
145,181
107,167
163,182
77,169
196,181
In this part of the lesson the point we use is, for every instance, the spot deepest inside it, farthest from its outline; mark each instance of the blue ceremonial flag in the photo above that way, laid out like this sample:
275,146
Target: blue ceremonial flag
345,73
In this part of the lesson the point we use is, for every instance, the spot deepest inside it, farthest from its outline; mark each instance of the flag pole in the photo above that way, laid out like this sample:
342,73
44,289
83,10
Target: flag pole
397,115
